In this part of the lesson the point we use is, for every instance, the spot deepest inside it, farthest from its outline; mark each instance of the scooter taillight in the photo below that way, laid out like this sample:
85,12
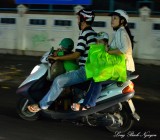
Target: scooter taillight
128,89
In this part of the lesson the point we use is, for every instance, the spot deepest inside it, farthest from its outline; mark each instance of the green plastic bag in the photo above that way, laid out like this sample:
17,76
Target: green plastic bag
102,66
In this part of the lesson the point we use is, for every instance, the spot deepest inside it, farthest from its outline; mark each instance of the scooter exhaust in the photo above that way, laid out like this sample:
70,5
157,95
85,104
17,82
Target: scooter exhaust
110,120
106,120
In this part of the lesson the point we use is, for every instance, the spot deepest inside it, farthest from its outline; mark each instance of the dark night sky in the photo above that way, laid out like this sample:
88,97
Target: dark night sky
130,5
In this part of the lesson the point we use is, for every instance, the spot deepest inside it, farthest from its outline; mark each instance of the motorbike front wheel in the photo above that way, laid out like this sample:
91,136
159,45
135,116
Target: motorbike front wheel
126,122
23,111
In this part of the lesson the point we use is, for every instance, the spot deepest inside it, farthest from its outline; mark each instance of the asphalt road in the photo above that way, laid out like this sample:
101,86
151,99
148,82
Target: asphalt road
14,69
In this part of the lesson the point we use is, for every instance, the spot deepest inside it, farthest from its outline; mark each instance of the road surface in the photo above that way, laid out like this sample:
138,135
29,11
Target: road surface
14,69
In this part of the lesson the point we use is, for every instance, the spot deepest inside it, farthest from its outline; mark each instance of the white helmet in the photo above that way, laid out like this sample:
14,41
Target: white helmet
102,35
121,13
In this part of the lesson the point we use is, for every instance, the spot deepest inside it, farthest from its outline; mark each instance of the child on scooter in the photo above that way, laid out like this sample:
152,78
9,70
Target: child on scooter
100,67
59,67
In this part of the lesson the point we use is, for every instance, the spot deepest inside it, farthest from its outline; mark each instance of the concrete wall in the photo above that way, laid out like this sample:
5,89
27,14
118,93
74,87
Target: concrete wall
22,37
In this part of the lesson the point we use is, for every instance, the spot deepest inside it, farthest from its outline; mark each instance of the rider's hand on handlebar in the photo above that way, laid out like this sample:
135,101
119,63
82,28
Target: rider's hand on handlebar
52,59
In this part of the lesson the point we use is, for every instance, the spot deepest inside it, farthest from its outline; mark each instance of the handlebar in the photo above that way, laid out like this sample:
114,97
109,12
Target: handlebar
51,60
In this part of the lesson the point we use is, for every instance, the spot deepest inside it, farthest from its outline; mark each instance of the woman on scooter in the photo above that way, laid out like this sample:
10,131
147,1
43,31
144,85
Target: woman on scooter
122,43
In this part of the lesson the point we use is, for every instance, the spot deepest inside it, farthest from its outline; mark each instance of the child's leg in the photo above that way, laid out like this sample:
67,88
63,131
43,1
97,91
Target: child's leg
92,94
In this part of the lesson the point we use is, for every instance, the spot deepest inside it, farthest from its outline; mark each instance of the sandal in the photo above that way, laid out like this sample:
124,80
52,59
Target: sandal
79,107
34,108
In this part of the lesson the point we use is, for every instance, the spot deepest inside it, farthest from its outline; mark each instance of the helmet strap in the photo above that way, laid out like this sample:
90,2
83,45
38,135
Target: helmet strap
79,25
120,24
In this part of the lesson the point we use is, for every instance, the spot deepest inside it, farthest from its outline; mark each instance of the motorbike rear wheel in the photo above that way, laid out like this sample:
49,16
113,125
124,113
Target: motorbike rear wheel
23,111
127,122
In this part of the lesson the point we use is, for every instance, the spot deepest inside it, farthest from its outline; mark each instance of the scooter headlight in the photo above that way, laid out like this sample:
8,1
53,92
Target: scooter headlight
36,68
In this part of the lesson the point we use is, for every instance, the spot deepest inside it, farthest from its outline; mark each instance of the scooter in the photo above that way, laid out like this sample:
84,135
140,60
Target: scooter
114,110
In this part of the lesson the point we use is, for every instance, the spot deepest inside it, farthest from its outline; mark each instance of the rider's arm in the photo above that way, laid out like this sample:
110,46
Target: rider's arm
122,41
71,56
116,51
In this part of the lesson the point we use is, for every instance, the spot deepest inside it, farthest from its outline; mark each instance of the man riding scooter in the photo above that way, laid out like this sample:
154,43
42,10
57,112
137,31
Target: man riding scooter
86,38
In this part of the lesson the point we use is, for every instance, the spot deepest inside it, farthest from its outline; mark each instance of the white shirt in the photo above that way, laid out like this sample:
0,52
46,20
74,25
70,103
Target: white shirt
122,42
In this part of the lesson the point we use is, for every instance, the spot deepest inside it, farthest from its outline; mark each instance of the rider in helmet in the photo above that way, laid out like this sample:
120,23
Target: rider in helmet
86,38
121,44
67,44
86,16
123,40
59,67
123,16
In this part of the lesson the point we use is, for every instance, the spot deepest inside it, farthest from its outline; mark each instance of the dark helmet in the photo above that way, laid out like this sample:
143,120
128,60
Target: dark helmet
86,15
67,43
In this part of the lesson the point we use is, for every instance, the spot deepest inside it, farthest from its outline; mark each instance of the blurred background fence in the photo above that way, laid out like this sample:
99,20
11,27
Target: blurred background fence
34,29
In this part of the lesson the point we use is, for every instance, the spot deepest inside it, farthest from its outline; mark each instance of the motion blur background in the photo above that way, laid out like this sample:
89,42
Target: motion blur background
32,29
